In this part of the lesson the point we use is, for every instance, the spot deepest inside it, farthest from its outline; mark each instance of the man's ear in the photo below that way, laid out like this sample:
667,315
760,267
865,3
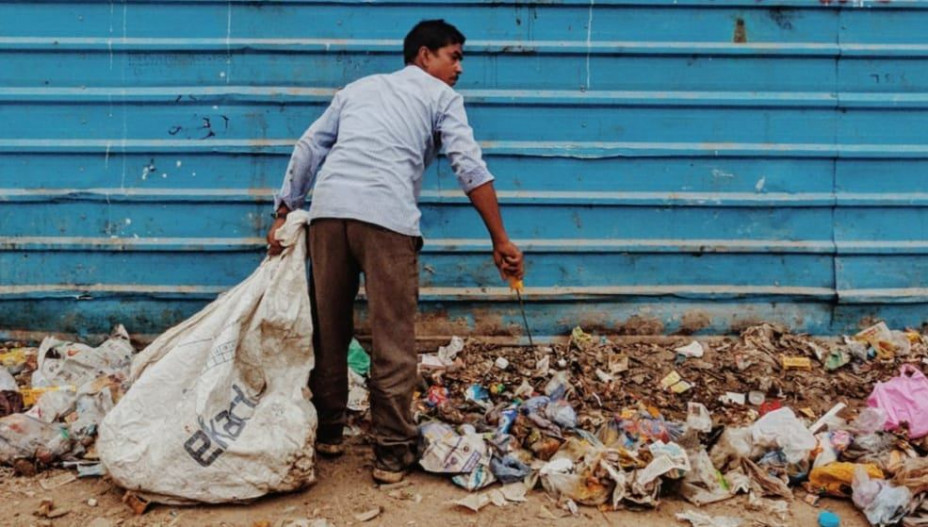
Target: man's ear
423,54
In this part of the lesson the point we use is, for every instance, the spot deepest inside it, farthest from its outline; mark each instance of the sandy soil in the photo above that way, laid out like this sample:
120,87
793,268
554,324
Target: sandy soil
345,488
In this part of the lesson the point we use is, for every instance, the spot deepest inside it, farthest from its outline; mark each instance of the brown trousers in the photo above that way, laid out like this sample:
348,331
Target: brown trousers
339,251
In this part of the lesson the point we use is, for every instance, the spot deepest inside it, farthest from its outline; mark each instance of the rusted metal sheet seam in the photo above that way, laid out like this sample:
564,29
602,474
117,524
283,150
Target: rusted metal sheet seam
479,245
488,294
446,245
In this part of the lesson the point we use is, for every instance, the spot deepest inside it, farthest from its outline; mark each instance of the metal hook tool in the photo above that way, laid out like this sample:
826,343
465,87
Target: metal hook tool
517,286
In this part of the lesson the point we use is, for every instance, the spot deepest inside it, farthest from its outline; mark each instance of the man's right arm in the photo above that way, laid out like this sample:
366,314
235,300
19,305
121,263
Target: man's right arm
308,155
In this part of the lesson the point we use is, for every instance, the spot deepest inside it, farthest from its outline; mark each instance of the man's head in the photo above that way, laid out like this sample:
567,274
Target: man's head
435,46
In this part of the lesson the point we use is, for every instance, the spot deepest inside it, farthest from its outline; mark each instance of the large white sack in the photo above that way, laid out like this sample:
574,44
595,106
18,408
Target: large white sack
219,409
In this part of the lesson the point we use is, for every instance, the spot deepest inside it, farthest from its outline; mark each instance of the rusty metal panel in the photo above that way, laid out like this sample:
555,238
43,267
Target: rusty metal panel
693,167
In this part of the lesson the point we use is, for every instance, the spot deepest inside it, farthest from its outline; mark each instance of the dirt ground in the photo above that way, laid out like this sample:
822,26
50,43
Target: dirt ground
345,488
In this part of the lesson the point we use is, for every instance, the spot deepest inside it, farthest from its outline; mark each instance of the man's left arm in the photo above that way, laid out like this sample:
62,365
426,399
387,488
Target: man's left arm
506,255
467,162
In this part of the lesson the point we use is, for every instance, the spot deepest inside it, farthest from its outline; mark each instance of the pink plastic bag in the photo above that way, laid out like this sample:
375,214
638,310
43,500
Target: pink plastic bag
904,399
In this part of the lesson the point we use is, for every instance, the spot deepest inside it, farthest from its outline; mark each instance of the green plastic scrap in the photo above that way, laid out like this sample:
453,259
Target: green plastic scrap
836,359
358,359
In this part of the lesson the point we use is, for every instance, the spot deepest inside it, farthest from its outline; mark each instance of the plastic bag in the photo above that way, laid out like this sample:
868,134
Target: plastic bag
733,445
90,409
7,382
561,413
52,405
704,484
559,386
781,428
24,437
831,445
358,359
668,460
857,349
219,409
509,469
905,400
698,417
559,479
71,363
869,420
836,479
881,503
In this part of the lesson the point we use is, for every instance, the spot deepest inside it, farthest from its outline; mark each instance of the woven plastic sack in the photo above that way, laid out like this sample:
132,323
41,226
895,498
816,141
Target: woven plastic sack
219,410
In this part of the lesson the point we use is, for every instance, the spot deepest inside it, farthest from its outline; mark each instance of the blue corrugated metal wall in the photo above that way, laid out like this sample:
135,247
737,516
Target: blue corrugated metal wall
688,167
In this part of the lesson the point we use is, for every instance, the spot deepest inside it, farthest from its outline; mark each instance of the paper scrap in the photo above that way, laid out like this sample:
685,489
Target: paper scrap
693,349
474,502
675,383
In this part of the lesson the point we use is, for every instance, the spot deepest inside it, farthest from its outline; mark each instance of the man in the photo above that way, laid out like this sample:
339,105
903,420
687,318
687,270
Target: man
367,154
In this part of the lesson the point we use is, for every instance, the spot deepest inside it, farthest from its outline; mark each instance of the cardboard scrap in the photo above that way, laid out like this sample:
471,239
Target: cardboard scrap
796,363
474,502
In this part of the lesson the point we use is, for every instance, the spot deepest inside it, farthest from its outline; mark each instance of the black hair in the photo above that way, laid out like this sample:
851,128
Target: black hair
432,34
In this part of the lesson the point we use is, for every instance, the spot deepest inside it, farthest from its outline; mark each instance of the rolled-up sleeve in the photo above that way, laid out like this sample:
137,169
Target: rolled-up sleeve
458,143
308,155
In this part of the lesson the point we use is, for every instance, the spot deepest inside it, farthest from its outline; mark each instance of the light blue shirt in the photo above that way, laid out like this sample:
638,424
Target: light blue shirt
368,151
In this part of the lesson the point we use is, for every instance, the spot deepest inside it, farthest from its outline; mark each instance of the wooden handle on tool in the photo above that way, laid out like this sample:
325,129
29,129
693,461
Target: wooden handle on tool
516,285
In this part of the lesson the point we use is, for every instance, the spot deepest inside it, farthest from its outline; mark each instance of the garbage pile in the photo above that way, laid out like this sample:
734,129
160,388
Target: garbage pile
592,422
596,423
53,398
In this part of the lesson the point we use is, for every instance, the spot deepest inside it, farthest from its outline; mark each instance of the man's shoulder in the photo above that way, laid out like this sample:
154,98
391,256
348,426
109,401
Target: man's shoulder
365,81
408,79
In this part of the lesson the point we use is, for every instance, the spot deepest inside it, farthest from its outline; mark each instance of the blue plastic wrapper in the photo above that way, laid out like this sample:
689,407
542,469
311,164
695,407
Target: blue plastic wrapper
509,469
774,458
796,472
478,395
506,418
